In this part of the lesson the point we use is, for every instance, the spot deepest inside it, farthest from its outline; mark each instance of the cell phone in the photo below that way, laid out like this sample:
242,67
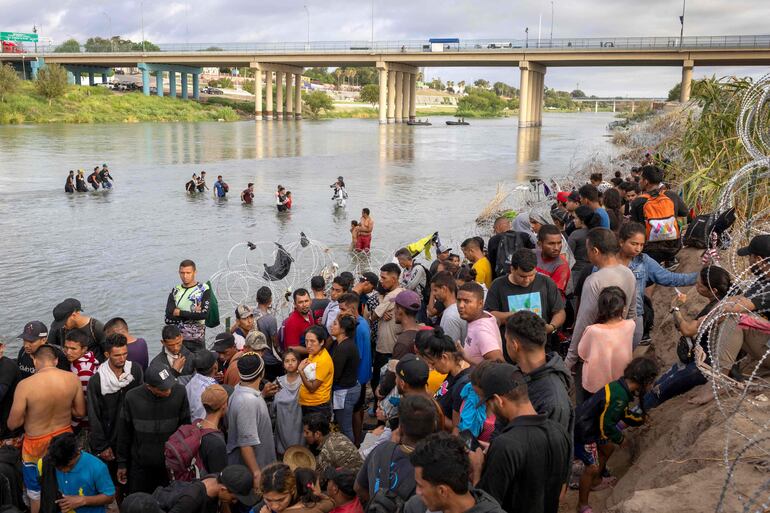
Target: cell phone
471,443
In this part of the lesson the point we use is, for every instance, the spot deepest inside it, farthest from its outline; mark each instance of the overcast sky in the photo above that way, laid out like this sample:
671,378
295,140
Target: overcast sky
222,21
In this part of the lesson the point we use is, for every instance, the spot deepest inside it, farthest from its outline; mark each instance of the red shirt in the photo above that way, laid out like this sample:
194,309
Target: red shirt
294,328
353,506
556,269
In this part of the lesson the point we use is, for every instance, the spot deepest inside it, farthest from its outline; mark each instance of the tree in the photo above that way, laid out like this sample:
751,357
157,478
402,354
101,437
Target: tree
481,83
68,46
675,92
503,89
436,84
213,49
480,101
577,93
248,86
98,44
9,81
319,74
370,93
339,73
148,47
317,101
51,81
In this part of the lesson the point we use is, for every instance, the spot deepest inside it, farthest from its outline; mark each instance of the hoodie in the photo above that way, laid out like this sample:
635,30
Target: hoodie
548,388
485,503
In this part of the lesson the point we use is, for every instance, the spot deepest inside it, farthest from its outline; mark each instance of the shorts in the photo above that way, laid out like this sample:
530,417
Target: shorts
588,453
32,451
363,242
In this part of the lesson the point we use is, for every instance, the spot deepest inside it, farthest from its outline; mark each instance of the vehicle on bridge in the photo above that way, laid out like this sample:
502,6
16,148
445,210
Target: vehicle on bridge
10,47
496,45
441,44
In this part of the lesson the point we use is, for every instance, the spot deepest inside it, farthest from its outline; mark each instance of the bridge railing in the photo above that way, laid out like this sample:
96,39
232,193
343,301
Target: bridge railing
465,45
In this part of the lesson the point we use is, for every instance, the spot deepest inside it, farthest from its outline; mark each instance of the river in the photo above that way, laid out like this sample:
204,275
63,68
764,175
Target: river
118,251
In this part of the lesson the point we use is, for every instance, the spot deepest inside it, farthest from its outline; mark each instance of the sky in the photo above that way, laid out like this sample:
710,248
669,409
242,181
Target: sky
224,21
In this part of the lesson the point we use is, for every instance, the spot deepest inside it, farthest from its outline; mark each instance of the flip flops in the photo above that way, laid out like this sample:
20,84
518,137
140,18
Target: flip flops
586,509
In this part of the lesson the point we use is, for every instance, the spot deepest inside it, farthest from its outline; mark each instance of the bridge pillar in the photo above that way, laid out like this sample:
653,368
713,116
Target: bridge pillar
684,93
258,94
633,106
412,96
613,106
383,102
289,96
269,95
196,87
172,84
145,80
279,95
596,106
298,95
531,94
70,78
91,81
183,79
159,83
406,98
391,96
399,96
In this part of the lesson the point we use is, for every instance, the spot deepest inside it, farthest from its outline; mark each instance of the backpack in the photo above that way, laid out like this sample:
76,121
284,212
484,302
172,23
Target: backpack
660,218
426,288
212,319
385,500
509,243
181,452
168,496
697,233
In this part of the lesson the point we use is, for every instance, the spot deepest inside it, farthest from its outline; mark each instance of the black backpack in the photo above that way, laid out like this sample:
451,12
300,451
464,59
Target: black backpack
698,232
385,500
426,288
509,243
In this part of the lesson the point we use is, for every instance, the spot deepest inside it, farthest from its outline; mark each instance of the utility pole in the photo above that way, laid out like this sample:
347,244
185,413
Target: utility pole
34,31
681,22
109,29
551,43
372,45
526,37
539,27
308,24
141,4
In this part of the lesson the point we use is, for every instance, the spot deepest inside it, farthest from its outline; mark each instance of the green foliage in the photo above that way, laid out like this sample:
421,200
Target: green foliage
322,75
370,93
68,46
99,44
675,92
577,93
51,81
147,47
248,86
317,101
503,89
480,102
226,83
118,44
213,49
484,84
436,84
9,81
558,99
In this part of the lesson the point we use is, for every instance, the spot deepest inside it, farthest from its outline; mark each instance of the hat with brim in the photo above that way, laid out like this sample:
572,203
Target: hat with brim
160,376
297,456
759,246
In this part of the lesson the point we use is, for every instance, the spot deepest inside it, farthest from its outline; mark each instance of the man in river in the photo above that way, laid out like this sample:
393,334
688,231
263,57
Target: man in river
44,404
247,196
106,177
221,188
188,306
94,179
365,229
69,185
201,185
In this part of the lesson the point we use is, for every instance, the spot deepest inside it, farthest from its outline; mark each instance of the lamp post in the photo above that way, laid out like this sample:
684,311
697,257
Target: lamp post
681,22
34,31
526,37
109,29
141,5
551,42
372,45
308,24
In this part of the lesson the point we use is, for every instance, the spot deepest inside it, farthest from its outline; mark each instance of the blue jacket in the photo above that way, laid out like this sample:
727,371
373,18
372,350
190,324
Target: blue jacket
648,270
364,344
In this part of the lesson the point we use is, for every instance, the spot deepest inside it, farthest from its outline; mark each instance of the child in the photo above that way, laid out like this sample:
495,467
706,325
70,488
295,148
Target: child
280,199
288,421
353,234
596,421
287,203
607,346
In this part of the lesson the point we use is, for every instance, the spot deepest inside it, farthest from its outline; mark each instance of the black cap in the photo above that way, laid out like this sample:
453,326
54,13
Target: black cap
223,342
759,246
159,375
205,360
250,366
33,331
66,308
140,502
499,379
240,482
412,370
371,278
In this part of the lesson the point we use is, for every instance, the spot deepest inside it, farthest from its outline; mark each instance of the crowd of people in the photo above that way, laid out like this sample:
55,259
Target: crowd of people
78,182
486,382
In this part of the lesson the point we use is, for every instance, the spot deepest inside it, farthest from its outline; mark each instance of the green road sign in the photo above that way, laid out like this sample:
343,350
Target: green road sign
19,37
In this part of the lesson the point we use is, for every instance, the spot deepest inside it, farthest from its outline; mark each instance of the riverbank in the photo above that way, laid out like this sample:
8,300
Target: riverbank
100,105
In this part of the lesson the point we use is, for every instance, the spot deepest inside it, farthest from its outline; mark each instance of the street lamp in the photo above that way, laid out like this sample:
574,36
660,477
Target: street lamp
34,31
372,45
681,22
526,37
308,23
109,28
551,43
141,5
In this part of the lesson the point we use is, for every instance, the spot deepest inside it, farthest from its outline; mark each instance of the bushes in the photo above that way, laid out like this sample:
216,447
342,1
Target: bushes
480,103
223,82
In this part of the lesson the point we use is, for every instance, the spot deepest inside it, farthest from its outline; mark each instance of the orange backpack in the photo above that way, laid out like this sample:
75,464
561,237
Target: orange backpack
660,218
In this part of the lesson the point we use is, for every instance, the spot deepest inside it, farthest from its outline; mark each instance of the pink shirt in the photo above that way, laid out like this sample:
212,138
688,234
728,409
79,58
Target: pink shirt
606,350
483,337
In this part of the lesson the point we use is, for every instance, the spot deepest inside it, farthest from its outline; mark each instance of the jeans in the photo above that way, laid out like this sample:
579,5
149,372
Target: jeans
678,380
344,415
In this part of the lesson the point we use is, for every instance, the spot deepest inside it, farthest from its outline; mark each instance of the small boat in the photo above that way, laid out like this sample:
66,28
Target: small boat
459,122
419,123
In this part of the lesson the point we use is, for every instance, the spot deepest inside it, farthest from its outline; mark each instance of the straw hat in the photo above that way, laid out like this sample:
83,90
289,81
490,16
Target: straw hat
297,456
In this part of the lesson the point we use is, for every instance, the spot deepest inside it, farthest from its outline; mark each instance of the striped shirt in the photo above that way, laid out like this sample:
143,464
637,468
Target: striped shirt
84,367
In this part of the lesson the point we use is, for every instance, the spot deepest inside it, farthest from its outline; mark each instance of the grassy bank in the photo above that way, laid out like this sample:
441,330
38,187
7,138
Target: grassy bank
100,105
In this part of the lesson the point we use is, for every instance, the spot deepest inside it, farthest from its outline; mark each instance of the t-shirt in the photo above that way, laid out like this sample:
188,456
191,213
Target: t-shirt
448,394
364,344
27,366
604,217
249,426
404,344
452,324
324,372
186,497
541,297
318,305
557,269
213,452
138,353
268,326
483,271
606,351
294,329
402,481
345,362
8,376
483,337
88,477
759,294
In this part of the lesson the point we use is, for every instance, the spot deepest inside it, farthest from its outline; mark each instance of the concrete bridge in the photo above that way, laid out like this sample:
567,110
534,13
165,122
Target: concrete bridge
615,101
279,66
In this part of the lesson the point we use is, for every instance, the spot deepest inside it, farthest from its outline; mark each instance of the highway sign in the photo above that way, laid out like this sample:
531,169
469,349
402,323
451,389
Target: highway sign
19,37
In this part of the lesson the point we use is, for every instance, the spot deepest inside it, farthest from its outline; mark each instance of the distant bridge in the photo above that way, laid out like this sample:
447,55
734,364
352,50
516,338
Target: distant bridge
398,62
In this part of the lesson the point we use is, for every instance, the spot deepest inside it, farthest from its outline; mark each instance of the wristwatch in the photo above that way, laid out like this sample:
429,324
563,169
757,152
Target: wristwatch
675,309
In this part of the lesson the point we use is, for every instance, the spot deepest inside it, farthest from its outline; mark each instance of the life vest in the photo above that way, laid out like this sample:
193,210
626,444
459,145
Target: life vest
660,218
187,299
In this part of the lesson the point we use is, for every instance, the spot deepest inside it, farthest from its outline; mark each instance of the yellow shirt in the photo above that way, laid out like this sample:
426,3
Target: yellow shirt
435,379
324,372
483,271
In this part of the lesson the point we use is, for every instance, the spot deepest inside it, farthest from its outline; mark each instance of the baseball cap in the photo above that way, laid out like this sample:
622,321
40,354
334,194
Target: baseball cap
66,308
214,396
239,480
140,502
408,299
223,342
33,330
370,277
562,196
159,375
243,311
441,248
412,370
205,360
574,197
499,379
759,246
256,341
